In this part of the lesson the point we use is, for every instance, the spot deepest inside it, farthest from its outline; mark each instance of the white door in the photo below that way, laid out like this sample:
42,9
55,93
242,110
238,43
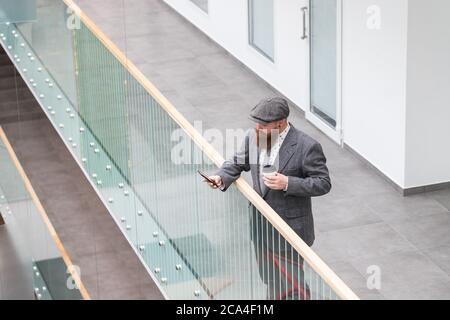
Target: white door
321,29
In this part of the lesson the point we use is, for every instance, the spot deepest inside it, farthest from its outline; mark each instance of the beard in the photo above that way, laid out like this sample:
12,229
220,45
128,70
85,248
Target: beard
265,140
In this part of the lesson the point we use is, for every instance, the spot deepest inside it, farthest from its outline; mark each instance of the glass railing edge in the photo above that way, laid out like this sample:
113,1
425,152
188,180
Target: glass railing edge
35,199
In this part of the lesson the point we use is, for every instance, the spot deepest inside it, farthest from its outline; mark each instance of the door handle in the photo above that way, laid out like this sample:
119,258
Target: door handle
304,35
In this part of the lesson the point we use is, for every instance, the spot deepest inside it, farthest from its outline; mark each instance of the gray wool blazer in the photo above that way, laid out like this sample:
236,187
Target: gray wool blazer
301,159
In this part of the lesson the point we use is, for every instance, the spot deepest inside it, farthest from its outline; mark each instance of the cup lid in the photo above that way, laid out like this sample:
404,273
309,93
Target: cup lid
269,169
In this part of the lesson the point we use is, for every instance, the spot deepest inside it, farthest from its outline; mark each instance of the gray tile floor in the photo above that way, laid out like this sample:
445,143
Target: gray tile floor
362,222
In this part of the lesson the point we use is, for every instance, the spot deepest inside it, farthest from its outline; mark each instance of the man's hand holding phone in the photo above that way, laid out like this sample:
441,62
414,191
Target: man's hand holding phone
213,181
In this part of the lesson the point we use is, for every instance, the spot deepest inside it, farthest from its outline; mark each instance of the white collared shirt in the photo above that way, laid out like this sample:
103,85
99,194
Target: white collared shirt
264,159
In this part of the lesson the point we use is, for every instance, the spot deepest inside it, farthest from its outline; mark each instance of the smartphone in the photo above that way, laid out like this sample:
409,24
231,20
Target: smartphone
207,178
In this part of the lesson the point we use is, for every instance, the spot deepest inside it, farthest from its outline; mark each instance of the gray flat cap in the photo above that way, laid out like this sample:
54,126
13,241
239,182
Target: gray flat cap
270,110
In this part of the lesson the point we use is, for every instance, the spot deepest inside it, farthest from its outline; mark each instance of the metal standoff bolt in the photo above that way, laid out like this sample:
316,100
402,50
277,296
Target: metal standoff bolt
50,85
47,80
126,193
74,145
41,96
61,125
49,107
70,139
140,212
44,288
24,70
178,267
96,150
17,60
164,280
29,54
68,110
99,182
59,97
161,243
123,219
37,274
81,129
92,144
31,80
36,289
52,112
155,234
94,175
128,227
22,44
39,296
157,270
197,293
142,247
34,85
108,167
83,159
32,58
120,185
39,69
72,115
9,47
110,200
34,268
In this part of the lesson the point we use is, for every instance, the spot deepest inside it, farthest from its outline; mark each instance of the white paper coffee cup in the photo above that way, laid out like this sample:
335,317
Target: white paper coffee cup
269,171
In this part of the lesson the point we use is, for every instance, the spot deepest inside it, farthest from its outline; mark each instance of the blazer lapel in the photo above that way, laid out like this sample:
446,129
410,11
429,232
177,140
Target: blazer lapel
287,148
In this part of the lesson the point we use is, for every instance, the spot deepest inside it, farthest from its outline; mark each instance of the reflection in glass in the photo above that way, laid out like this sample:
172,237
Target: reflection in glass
324,59
261,26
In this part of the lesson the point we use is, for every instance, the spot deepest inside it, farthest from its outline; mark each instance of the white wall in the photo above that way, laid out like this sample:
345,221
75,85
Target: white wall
428,93
374,84
227,24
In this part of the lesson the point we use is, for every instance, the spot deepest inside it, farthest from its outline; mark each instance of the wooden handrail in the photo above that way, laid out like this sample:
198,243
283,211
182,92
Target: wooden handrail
315,262
43,214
